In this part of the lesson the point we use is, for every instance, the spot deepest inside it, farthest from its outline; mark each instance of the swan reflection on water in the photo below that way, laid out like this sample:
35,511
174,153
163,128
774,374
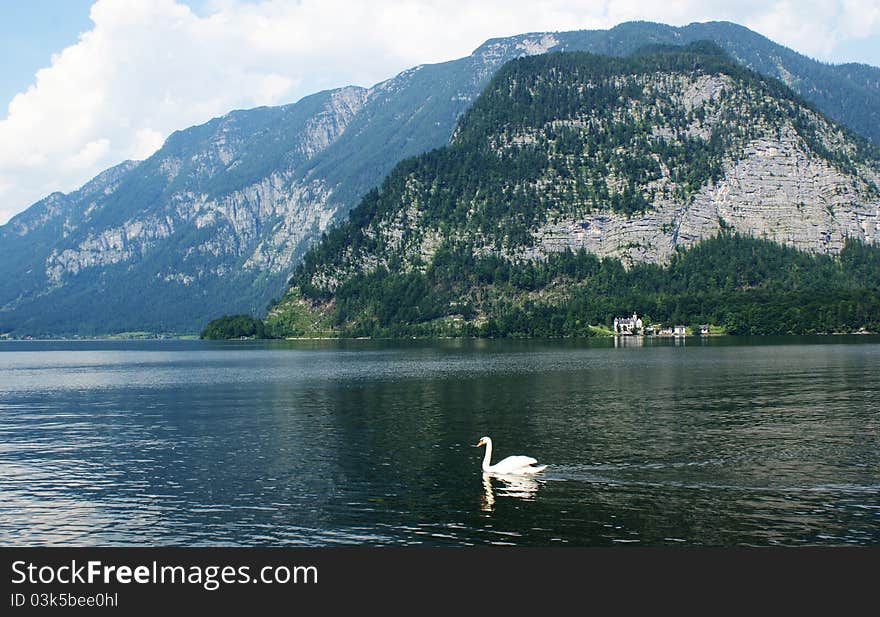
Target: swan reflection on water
520,487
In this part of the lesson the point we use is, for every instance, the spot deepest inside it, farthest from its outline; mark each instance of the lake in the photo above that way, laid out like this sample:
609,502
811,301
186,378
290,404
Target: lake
719,441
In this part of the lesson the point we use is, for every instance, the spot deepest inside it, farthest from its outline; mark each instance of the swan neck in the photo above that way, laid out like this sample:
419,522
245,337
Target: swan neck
488,456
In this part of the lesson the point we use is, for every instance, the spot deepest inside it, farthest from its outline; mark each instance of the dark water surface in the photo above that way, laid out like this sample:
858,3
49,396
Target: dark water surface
716,442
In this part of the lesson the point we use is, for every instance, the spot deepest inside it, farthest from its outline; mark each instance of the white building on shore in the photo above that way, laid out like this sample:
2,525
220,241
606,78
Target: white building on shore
626,326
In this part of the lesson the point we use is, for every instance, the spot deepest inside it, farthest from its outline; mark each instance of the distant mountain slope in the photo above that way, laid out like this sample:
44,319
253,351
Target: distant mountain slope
848,93
214,221
567,157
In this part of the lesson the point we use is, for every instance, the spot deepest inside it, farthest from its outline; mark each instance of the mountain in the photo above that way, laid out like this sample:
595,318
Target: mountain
216,219
566,158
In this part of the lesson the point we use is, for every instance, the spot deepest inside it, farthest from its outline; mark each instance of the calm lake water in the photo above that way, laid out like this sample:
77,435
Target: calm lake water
716,442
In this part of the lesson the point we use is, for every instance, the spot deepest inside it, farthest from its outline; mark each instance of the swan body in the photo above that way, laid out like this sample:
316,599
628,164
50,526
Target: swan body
512,465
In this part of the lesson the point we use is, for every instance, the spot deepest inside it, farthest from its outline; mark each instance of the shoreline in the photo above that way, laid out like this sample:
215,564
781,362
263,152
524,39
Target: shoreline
715,335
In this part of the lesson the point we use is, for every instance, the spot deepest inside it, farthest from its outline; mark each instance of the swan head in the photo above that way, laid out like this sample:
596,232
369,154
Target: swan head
483,441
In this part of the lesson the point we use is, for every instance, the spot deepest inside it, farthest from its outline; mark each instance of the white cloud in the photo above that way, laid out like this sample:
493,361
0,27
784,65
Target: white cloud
146,141
89,155
149,67
860,18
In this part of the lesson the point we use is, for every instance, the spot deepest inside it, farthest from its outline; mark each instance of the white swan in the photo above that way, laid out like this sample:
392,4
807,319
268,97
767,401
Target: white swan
512,465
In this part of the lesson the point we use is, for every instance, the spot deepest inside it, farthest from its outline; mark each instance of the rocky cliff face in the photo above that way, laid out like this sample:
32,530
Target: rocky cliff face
224,210
625,159
774,186
778,191
216,219
266,219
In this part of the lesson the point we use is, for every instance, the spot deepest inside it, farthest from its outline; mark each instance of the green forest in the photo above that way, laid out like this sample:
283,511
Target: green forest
540,142
746,285
480,187
234,327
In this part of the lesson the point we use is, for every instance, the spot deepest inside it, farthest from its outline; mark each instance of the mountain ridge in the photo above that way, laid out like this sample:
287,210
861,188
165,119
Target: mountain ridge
226,238
626,159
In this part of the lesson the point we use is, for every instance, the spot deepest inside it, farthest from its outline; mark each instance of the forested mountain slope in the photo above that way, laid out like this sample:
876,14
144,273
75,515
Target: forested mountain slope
569,157
216,219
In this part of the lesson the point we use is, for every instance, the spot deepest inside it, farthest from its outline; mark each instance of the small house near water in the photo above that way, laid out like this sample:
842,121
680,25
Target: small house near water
626,326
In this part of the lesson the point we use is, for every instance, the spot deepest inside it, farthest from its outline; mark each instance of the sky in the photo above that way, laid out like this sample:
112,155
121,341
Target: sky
86,84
